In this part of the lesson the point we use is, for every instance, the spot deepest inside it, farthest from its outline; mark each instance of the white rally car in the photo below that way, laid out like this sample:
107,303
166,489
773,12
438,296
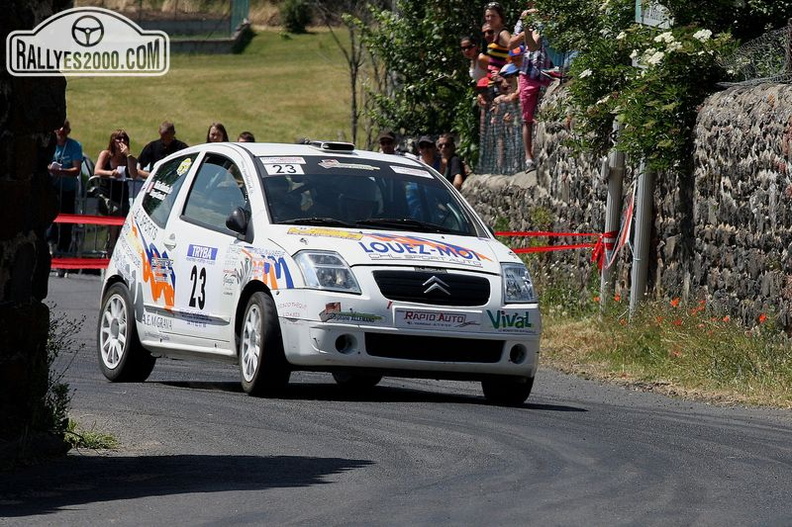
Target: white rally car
317,256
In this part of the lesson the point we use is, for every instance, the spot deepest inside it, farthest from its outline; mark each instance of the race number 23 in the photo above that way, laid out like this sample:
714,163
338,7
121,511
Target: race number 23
198,286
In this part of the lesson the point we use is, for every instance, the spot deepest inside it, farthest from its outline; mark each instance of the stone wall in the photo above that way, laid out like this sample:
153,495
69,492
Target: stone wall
722,231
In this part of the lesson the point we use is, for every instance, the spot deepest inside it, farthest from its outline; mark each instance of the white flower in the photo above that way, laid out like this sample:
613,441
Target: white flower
673,46
702,34
585,73
621,35
634,54
665,37
604,100
656,58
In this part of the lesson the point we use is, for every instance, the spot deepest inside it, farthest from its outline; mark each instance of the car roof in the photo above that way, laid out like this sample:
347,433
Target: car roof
322,148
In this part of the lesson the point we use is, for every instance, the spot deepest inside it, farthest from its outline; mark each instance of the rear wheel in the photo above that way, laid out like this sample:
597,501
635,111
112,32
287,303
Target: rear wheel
122,358
262,363
356,381
507,391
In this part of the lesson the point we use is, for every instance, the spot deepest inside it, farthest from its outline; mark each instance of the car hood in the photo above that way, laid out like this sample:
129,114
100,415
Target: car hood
387,247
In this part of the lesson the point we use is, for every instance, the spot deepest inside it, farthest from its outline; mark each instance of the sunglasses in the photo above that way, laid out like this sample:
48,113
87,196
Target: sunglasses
489,32
386,141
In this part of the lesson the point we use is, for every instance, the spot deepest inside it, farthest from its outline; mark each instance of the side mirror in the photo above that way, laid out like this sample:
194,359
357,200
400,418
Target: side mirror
238,221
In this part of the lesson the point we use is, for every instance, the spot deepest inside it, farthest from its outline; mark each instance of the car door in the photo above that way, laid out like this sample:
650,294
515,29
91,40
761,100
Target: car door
203,248
154,280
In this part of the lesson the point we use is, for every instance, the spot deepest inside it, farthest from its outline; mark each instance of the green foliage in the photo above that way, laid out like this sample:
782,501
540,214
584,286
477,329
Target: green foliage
295,15
58,398
418,45
79,437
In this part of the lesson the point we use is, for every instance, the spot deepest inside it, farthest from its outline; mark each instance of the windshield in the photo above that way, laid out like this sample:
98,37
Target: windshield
339,192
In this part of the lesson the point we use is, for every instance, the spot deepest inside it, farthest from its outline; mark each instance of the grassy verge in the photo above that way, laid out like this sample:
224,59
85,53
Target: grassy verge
674,349
282,87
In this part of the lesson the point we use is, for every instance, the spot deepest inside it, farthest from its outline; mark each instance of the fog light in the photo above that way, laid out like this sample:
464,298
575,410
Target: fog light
518,354
345,344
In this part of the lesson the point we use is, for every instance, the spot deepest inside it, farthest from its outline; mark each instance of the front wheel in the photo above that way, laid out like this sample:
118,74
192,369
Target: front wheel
262,363
507,391
122,358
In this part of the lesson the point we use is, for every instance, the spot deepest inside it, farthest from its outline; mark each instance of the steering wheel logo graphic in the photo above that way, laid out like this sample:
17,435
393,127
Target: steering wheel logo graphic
88,31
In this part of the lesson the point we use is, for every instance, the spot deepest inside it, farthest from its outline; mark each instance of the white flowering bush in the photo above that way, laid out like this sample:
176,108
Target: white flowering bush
652,81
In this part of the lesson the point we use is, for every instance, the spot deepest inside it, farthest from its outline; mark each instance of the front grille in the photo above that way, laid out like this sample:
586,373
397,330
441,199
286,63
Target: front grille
434,349
453,290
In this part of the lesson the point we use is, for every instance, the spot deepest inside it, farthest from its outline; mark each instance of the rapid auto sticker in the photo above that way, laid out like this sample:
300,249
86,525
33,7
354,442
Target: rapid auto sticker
158,272
335,163
244,264
457,321
333,313
511,321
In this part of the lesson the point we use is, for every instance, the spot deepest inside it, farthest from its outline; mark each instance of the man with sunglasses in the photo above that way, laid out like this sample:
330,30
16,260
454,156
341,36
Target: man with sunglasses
65,170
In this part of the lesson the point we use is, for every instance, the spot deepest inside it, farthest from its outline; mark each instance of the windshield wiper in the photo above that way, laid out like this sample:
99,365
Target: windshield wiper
328,222
404,223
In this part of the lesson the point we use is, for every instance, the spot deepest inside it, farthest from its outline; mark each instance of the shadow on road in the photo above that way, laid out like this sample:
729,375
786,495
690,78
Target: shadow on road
381,394
79,479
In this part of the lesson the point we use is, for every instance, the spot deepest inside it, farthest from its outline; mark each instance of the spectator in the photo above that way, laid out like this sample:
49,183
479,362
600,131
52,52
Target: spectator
450,163
216,133
115,165
428,152
478,61
246,137
387,142
159,148
531,80
65,171
482,85
498,48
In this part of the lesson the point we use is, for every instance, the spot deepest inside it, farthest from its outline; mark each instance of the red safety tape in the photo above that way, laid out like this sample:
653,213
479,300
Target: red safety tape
89,219
80,263
542,233
549,248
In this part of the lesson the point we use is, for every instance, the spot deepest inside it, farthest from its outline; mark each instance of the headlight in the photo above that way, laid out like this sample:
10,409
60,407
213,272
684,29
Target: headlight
327,271
517,285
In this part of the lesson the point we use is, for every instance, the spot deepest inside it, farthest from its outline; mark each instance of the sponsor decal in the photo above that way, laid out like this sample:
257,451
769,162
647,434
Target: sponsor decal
184,166
146,227
201,253
248,263
514,321
327,233
411,318
292,309
332,313
195,319
395,247
87,41
157,321
410,171
159,190
158,273
295,160
335,163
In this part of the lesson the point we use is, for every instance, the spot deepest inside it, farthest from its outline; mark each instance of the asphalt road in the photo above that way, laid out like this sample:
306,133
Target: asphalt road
197,451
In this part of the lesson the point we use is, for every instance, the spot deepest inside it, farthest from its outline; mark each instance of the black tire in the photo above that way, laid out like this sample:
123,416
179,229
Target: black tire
262,364
356,381
507,391
122,358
